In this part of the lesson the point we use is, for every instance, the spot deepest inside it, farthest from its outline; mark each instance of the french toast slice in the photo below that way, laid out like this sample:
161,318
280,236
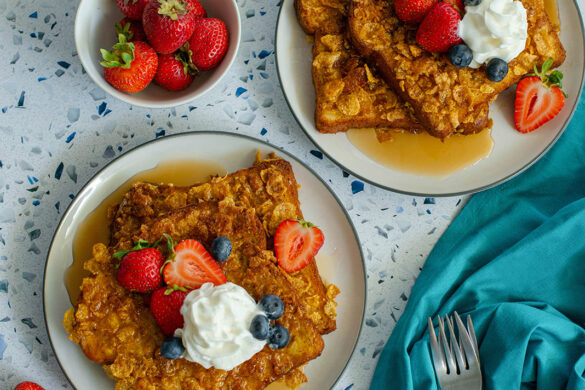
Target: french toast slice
269,187
442,96
349,93
115,328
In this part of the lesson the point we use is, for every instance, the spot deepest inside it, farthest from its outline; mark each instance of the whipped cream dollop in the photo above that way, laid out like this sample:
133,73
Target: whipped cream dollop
217,326
494,29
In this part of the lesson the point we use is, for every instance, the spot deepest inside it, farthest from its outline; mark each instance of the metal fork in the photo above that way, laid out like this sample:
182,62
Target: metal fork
456,362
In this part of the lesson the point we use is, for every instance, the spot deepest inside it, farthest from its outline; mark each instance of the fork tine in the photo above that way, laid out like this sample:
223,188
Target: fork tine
473,338
438,357
466,342
455,346
445,345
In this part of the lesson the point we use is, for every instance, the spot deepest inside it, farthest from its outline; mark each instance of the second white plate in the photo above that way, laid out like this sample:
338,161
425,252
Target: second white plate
512,153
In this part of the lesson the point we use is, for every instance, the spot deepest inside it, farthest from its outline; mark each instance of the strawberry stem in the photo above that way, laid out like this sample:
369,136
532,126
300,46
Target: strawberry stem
185,56
305,224
170,289
121,56
172,8
549,78
124,30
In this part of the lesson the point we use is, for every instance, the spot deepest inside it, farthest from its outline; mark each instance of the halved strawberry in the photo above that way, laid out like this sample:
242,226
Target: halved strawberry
539,98
190,266
296,242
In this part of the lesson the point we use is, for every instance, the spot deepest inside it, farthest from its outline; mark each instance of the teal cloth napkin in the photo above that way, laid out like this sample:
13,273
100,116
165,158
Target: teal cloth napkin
514,259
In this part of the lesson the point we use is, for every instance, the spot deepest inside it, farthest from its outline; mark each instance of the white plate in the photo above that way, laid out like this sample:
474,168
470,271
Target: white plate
513,152
344,266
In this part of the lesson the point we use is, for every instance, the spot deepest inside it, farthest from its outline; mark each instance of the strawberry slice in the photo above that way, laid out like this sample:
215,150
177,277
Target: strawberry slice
296,243
190,266
539,98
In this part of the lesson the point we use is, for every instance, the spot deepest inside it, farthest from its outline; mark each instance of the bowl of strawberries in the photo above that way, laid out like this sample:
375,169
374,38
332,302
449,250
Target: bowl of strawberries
157,53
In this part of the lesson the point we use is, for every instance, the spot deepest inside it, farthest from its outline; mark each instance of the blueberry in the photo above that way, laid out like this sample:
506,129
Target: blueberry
260,327
471,2
272,306
221,248
172,348
496,69
460,55
279,337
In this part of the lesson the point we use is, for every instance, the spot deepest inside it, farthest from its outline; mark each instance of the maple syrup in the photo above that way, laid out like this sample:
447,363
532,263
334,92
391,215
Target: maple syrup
552,10
423,154
95,228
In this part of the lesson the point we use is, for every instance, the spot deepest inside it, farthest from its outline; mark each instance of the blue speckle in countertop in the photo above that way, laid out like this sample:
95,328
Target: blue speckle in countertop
28,322
240,91
160,132
317,154
64,64
263,131
70,137
102,107
59,171
356,186
109,152
349,387
21,99
36,203
429,200
29,276
33,235
2,346
263,54
4,285
34,15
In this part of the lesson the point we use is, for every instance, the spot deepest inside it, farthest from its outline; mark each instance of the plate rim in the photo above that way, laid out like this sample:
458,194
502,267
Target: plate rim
220,133
423,194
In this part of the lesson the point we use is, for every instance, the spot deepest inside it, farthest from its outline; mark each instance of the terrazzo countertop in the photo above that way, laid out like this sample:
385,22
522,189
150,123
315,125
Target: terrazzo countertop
58,129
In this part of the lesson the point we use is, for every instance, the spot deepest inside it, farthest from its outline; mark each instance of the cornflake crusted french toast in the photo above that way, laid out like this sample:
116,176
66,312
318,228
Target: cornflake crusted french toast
442,96
115,328
269,187
349,93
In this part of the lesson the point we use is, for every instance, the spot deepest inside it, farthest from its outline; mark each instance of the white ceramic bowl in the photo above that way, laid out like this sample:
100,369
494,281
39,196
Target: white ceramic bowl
94,29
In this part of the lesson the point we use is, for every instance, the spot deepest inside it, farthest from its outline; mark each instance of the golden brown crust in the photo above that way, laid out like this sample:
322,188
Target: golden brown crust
269,188
114,326
349,93
321,15
442,96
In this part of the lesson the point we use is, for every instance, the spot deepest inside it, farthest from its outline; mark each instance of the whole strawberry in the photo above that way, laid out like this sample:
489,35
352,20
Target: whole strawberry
168,24
132,8
28,386
209,43
438,30
130,66
413,11
165,305
132,30
140,267
175,71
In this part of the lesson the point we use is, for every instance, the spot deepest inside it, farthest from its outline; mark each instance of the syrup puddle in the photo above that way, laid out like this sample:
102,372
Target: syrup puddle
95,228
423,154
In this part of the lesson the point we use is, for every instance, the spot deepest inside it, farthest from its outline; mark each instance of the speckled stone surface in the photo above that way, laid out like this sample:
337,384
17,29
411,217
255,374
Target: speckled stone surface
58,129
